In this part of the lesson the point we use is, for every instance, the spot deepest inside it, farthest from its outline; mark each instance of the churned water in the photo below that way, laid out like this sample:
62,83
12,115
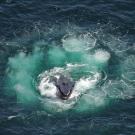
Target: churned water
91,42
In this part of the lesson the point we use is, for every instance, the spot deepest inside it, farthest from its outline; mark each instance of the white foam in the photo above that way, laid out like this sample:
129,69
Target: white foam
78,44
86,83
102,55
73,45
48,90
11,117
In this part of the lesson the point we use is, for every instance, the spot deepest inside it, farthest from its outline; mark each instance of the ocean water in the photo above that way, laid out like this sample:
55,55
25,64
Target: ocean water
92,42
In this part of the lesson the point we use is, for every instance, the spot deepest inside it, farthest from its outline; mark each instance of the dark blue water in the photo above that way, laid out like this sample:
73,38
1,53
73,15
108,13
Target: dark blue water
109,109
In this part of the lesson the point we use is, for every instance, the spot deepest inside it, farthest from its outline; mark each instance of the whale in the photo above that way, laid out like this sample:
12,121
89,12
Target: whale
64,87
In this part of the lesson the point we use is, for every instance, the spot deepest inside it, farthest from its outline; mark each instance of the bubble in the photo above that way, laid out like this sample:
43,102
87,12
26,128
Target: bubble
22,69
78,44
102,56
73,44
56,56
90,101
47,88
128,69
97,61
118,89
76,57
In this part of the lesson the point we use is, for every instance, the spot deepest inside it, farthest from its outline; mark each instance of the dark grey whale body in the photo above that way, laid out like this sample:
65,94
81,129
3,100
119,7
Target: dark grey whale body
64,87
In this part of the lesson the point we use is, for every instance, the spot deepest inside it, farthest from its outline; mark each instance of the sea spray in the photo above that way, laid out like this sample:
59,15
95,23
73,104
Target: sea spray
23,68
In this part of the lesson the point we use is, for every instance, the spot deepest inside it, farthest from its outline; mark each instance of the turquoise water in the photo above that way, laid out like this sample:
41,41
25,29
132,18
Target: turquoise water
85,67
91,42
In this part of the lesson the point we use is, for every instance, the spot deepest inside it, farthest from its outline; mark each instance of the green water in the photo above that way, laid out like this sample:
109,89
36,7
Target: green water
24,68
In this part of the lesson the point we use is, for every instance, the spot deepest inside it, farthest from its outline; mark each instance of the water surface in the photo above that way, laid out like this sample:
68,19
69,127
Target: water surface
90,41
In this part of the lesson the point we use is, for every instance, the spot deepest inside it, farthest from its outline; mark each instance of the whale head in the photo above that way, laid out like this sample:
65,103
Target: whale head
64,87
